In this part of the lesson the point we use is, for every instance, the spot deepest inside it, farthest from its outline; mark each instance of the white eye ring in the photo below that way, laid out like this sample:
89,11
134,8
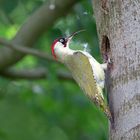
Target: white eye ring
62,40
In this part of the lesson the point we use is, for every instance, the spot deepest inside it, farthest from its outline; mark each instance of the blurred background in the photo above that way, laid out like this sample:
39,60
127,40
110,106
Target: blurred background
50,107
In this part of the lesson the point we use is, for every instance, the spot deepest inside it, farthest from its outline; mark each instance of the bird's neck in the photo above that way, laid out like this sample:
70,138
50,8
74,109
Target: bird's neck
63,54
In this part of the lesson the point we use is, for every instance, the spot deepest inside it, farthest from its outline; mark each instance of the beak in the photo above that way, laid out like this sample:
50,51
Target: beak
73,34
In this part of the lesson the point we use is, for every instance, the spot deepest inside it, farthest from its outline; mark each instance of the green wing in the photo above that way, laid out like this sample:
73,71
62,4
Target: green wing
82,72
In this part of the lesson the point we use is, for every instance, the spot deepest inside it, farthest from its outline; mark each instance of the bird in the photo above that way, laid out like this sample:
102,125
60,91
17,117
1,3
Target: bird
85,69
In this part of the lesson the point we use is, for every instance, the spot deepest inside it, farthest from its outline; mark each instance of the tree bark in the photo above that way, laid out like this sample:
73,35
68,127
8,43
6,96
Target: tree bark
119,22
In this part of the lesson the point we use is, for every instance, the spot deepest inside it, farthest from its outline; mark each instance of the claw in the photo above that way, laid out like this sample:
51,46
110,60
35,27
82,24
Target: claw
109,61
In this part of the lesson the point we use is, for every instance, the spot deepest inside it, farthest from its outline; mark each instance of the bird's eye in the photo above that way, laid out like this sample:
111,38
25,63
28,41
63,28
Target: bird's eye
62,40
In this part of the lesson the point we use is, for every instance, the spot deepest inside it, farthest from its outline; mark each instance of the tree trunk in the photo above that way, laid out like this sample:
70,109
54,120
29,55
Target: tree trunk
118,26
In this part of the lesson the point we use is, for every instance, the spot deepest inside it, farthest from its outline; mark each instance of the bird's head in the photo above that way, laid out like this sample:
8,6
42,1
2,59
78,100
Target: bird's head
60,46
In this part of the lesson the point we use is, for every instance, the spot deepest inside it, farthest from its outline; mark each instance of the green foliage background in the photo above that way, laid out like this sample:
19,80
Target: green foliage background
49,108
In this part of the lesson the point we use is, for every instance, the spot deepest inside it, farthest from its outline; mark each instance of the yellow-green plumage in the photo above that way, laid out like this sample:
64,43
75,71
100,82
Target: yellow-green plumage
82,71
86,71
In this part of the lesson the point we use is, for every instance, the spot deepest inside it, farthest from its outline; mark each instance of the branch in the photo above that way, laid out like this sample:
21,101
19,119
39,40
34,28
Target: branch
41,20
38,73
25,50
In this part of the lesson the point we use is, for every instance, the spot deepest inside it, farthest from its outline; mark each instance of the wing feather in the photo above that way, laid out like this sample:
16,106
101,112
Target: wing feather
82,71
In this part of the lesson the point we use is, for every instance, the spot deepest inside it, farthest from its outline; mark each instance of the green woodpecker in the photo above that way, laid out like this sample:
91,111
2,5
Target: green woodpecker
87,72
